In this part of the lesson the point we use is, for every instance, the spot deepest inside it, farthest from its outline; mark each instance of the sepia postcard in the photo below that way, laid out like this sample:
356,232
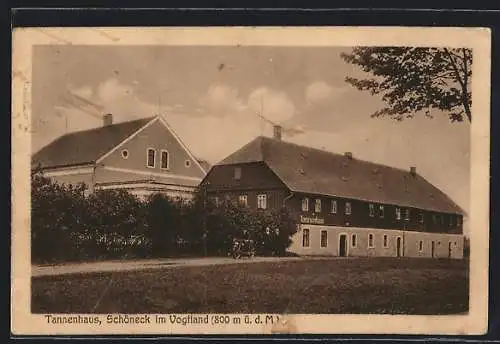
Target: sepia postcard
237,180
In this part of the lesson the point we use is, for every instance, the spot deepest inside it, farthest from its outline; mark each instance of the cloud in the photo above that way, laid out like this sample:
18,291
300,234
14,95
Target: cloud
222,100
275,105
84,91
318,91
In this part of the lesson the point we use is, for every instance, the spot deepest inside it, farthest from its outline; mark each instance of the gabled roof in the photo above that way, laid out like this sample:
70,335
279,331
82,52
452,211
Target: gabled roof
308,170
85,147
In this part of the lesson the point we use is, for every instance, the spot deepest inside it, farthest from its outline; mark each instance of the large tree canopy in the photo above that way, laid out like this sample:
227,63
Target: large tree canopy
414,80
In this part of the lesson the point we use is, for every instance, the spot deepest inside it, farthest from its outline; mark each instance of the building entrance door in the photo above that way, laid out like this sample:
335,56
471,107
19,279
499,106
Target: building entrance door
433,249
398,247
343,245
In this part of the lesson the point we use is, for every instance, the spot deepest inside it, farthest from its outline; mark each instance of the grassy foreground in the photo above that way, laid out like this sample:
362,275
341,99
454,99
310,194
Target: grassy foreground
376,285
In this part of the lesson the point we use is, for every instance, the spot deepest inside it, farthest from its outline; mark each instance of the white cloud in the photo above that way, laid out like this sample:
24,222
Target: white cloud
275,105
222,100
320,91
84,91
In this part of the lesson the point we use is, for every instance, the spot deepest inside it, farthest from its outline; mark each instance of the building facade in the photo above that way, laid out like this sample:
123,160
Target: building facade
343,206
142,156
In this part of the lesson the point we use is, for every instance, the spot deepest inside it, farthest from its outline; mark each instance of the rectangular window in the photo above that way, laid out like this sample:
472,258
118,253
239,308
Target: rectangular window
324,238
421,246
353,241
348,209
381,211
385,240
305,237
451,220
334,207
421,217
305,204
398,213
151,157
164,160
216,201
237,173
317,206
407,214
459,220
370,240
434,218
371,209
243,200
262,201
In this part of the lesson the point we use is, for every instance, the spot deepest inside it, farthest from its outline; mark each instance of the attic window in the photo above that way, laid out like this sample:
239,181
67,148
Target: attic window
237,173
151,157
165,163
125,154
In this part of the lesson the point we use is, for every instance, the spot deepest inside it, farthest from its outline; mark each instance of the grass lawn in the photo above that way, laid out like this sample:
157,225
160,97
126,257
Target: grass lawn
368,285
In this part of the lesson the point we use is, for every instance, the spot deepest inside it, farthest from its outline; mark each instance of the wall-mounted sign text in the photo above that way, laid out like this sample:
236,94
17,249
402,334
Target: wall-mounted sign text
312,220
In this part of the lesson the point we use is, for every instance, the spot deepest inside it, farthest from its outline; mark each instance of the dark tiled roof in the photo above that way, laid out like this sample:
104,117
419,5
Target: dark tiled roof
309,170
205,164
87,146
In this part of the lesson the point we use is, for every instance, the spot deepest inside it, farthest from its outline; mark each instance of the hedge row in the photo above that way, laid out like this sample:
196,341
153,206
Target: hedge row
67,224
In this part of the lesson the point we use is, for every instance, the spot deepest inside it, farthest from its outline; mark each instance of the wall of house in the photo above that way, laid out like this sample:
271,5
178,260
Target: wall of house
103,175
158,137
274,198
253,176
410,243
360,215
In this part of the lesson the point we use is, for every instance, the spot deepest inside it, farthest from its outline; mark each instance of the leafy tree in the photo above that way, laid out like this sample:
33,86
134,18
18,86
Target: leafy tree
412,80
115,217
56,215
164,224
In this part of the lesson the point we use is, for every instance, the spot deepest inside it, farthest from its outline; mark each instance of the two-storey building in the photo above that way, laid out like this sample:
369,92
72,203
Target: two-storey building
343,206
143,156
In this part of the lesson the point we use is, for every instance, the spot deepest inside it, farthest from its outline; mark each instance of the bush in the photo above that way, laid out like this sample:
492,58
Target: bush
68,225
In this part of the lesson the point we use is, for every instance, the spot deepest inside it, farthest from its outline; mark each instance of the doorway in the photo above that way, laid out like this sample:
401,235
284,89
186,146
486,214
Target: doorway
433,249
449,250
343,245
399,247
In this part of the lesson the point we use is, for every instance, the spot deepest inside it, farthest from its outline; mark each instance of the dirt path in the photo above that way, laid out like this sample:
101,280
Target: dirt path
130,265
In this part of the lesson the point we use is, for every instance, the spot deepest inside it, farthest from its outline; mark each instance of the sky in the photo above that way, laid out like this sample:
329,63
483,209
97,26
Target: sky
212,97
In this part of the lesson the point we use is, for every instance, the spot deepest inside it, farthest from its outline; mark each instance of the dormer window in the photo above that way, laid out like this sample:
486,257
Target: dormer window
151,157
237,173
164,160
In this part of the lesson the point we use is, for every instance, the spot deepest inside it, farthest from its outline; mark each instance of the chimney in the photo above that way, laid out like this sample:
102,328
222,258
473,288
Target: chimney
413,171
107,119
348,155
277,132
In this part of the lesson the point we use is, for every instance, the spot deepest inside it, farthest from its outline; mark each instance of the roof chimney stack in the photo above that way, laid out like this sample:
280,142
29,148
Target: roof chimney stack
277,132
107,119
348,155
413,171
